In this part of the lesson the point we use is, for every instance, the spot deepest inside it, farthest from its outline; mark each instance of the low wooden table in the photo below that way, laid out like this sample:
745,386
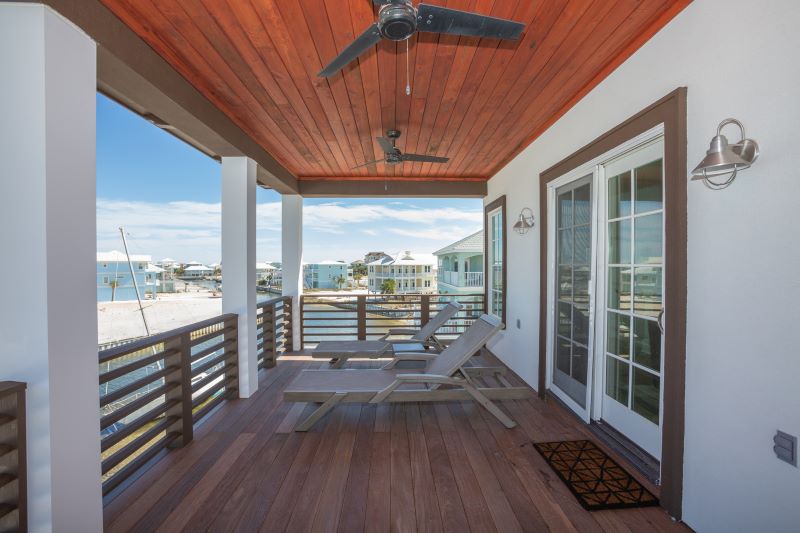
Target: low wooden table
340,351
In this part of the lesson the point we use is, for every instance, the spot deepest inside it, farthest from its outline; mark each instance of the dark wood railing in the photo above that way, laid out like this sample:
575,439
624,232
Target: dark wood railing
274,330
13,470
153,391
351,317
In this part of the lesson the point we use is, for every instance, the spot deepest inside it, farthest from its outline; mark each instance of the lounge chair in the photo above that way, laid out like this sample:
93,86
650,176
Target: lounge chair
444,379
425,336
421,340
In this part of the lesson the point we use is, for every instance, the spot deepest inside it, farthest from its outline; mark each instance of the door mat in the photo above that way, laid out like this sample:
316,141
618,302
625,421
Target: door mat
595,479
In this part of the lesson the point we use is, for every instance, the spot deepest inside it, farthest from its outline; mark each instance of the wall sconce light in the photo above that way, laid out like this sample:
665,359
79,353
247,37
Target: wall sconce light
723,158
524,222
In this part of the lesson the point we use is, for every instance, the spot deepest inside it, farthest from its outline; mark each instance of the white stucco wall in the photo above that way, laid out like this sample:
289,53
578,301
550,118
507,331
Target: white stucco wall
737,59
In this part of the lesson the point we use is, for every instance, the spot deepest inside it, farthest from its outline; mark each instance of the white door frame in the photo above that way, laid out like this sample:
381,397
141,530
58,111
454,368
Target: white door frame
595,380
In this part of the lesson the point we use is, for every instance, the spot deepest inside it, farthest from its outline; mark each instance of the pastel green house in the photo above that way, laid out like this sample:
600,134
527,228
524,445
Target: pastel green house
461,266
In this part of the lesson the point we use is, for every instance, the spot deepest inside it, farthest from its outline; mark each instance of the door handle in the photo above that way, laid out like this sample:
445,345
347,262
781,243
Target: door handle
661,321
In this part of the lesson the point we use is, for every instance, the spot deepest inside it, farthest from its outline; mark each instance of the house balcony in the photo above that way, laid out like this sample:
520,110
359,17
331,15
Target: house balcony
462,279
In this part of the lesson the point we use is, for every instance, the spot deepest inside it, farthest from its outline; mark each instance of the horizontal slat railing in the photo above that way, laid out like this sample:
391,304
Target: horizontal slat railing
154,390
273,330
13,469
352,317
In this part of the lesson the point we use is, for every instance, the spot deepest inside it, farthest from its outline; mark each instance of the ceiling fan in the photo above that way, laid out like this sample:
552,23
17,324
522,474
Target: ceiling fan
398,20
393,155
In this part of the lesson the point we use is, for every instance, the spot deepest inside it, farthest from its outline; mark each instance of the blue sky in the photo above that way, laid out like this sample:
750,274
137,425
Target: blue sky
166,194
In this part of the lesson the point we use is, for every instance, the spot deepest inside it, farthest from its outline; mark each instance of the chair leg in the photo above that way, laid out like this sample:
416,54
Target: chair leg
321,411
489,405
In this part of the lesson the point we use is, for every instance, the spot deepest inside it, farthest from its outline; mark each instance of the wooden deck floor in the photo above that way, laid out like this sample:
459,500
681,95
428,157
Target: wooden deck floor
405,467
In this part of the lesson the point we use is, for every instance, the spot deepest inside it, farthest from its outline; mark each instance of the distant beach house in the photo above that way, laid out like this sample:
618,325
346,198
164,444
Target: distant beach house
114,281
461,266
168,264
196,271
371,257
326,275
412,273
266,271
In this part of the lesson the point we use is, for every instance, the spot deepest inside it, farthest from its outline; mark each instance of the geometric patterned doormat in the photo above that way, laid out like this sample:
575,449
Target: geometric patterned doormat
593,477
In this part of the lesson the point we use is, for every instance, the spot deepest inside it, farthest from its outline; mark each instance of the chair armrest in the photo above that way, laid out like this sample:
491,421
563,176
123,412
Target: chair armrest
409,356
428,378
400,379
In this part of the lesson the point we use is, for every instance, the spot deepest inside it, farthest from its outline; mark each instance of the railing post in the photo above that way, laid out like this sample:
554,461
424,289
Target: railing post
12,440
182,375
361,316
425,310
269,338
231,358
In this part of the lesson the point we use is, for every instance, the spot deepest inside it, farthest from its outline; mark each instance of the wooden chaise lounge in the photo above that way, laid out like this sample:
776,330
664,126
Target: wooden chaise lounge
444,379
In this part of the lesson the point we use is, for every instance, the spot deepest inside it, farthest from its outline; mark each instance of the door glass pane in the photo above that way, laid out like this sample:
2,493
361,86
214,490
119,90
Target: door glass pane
565,283
619,195
646,394
580,361
649,191
647,291
647,248
619,242
619,288
619,334
564,326
647,343
565,246
583,245
583,205
565,210
562,355
617,380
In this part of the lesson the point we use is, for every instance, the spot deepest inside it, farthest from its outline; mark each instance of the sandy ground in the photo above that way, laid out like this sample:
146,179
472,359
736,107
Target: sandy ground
122,320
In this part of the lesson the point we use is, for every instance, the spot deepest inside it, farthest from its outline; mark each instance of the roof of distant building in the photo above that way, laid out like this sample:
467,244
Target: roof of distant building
265,266
197,267
406,258
118,257
471,243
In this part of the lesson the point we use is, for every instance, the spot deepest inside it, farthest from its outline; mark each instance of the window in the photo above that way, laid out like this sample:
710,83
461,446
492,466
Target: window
105,279
495,248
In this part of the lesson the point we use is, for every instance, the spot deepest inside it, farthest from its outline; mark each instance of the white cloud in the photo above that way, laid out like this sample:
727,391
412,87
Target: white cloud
191,230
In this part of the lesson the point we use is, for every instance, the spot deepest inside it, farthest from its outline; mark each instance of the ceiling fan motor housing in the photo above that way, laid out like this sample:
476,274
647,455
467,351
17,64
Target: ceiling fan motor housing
397,21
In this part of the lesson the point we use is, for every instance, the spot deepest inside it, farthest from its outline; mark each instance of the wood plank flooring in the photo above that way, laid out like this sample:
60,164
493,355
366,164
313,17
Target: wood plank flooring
403,467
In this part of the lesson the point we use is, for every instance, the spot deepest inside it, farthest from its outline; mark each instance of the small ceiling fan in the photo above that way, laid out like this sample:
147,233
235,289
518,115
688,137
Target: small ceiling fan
399,19
393,155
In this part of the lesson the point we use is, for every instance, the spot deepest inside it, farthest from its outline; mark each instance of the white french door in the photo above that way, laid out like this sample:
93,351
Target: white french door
606,315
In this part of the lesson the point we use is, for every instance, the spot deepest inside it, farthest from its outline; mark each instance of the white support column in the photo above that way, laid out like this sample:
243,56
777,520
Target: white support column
292,257
239,262
48,312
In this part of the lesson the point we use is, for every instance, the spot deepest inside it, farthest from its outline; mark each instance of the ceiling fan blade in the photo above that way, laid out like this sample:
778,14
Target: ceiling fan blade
368,164
418,158
437,19
363,42
386,144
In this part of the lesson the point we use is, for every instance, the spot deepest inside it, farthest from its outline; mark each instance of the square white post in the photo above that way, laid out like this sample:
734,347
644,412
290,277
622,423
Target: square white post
48,312
292,258
239,262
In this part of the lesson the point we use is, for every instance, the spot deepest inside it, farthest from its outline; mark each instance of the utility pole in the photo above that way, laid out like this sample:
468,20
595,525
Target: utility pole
135,285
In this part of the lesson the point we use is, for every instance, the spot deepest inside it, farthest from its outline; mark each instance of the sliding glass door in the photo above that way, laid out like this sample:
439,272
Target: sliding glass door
573,278
606,250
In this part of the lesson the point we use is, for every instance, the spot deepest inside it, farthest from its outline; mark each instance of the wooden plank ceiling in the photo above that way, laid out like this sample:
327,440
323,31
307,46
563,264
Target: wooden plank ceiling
478,102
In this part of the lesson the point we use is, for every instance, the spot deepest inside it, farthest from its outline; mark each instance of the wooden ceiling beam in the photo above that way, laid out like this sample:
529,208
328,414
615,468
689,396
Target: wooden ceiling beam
132,73
396,188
